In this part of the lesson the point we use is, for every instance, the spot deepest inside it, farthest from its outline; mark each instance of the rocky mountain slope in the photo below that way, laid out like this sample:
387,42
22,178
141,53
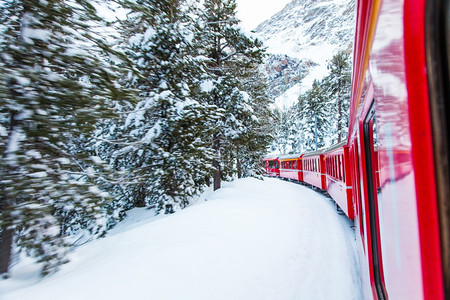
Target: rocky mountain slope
302,38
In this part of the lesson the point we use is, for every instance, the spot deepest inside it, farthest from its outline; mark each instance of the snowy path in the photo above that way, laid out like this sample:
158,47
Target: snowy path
251,240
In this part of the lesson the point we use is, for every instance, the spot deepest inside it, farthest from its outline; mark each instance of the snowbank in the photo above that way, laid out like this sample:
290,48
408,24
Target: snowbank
250,240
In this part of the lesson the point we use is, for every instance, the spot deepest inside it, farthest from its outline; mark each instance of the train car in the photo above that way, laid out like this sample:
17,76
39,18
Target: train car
291,166
272,166
314,169
338,180
398,146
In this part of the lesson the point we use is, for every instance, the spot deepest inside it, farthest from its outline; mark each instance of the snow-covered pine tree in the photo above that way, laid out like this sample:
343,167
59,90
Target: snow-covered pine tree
227,51
313,109
54,87
252,146
167,157
337,85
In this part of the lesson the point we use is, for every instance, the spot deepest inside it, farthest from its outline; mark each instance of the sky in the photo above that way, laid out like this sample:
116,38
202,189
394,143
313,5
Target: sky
254,12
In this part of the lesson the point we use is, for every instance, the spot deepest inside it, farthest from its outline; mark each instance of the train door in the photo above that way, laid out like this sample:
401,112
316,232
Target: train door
355,182
370,144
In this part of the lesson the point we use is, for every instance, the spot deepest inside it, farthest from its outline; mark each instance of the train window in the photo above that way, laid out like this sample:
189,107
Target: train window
337,167
334,166
343,168
326,166
340,167
370,140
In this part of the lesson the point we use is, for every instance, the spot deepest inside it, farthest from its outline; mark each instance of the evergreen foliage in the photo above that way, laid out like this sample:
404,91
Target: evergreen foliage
166,155
54,86
338,85
229,57
327,102
89,130
313,111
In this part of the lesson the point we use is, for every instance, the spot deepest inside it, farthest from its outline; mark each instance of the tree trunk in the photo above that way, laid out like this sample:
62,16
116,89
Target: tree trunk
217,180
6,239
216,164
239,167
339,125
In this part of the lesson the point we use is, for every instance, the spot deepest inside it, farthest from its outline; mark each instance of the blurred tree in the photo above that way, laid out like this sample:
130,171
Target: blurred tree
55,86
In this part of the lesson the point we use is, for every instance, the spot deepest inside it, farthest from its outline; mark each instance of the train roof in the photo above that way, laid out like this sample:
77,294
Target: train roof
290,156
270,157
318,152
336,146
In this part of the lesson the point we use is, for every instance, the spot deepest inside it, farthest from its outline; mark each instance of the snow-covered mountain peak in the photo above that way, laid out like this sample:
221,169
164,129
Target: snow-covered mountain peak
311,31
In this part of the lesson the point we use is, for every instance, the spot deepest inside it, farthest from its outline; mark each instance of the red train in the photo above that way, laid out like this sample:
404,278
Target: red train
392,174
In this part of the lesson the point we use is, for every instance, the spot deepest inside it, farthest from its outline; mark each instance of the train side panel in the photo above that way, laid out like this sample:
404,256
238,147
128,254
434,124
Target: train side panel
395,195
338,180
314,169
272,166
291,167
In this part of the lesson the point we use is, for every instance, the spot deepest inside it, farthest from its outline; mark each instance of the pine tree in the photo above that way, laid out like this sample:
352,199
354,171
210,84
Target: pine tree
227,52
54,87
338,85
312,111
168,157
252,146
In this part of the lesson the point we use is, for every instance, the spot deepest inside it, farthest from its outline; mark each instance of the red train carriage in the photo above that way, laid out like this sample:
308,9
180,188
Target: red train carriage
272,166
399,148
291,166
338,180
314,169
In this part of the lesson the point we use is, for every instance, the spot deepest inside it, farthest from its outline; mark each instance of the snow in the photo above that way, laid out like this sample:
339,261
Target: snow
289,97
251,239
3,131
29,34
207,86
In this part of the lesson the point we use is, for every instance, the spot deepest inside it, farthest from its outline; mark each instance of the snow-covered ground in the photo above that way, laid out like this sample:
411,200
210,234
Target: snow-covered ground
251,239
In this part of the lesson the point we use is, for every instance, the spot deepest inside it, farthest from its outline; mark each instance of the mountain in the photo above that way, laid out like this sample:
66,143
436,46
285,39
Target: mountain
284,71
306,34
